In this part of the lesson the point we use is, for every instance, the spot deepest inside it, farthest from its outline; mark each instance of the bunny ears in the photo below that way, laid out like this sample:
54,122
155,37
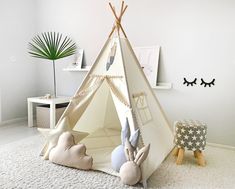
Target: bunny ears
139,157
125,134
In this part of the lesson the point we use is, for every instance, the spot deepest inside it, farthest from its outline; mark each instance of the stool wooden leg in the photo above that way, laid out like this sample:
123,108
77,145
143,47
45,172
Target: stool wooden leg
180,156
200,158
175,151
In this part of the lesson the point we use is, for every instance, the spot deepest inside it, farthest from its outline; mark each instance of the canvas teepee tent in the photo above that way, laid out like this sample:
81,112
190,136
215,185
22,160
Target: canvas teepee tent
114,89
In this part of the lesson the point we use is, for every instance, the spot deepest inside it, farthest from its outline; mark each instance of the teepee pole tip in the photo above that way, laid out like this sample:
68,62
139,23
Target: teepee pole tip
118,19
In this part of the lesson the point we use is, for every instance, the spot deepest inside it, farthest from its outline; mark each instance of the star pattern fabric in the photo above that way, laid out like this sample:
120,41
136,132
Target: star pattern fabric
190,135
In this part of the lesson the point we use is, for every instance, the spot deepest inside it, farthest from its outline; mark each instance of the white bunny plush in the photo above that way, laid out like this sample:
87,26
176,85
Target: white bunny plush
118,157
130,172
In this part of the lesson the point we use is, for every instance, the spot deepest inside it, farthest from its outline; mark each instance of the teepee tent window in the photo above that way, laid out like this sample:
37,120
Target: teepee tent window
142,108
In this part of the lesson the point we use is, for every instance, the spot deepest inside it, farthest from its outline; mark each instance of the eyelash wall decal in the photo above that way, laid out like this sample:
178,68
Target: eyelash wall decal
194,82
207,83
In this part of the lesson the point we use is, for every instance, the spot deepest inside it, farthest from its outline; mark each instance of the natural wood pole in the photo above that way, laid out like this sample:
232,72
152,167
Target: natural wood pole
122,7
200,158
113,29
123,31
116,21
179,153
115,26
118,25
180,156
124,11
175,151
120,18
112,8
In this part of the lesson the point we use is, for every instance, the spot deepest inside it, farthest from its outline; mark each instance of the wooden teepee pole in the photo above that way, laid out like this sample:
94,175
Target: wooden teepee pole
123,31
120,16
123,11
113,29
118,25
120,20
114,13
122,7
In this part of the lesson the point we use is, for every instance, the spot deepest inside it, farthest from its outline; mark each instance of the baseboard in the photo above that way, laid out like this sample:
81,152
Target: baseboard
12,121
221,146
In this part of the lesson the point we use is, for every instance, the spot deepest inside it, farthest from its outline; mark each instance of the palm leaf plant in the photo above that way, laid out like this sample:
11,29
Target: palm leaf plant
52,46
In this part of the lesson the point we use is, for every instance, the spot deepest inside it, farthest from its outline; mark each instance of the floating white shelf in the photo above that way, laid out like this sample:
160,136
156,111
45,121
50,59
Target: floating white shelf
163,86
76,69
159,86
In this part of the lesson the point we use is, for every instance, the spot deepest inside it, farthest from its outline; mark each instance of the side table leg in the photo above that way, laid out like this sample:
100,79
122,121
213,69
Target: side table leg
180,156
52,115
30,114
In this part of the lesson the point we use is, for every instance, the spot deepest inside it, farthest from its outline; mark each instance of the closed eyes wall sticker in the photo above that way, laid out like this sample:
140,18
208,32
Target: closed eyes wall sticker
186,82
194,82
207,83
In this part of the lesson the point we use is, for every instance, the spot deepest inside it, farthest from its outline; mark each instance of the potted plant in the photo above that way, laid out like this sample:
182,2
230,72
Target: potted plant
52,46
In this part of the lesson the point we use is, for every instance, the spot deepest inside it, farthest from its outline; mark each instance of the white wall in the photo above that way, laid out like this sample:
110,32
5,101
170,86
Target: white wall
17,70
84,21
197,39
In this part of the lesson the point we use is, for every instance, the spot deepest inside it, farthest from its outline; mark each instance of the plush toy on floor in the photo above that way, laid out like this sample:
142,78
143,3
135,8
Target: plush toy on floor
52,136
130,172
118,157
68,154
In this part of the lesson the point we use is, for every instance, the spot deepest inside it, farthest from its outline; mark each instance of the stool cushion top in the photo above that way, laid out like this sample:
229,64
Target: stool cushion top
190,135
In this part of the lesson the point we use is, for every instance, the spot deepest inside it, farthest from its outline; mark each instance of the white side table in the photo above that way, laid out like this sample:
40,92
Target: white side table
41,100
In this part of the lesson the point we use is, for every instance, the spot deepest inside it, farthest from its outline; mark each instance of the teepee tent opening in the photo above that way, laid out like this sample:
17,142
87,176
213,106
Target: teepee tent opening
101,112
101,120
116,89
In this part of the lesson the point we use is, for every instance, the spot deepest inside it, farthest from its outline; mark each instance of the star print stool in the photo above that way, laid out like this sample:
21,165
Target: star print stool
190,135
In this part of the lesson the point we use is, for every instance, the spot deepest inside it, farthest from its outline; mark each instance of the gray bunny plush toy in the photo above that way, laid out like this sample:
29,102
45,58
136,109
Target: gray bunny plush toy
118,157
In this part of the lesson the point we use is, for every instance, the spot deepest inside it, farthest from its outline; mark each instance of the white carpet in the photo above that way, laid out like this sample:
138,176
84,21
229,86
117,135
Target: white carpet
21,167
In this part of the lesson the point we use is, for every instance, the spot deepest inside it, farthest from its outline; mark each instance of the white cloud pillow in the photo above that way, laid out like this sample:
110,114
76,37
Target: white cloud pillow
68,154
